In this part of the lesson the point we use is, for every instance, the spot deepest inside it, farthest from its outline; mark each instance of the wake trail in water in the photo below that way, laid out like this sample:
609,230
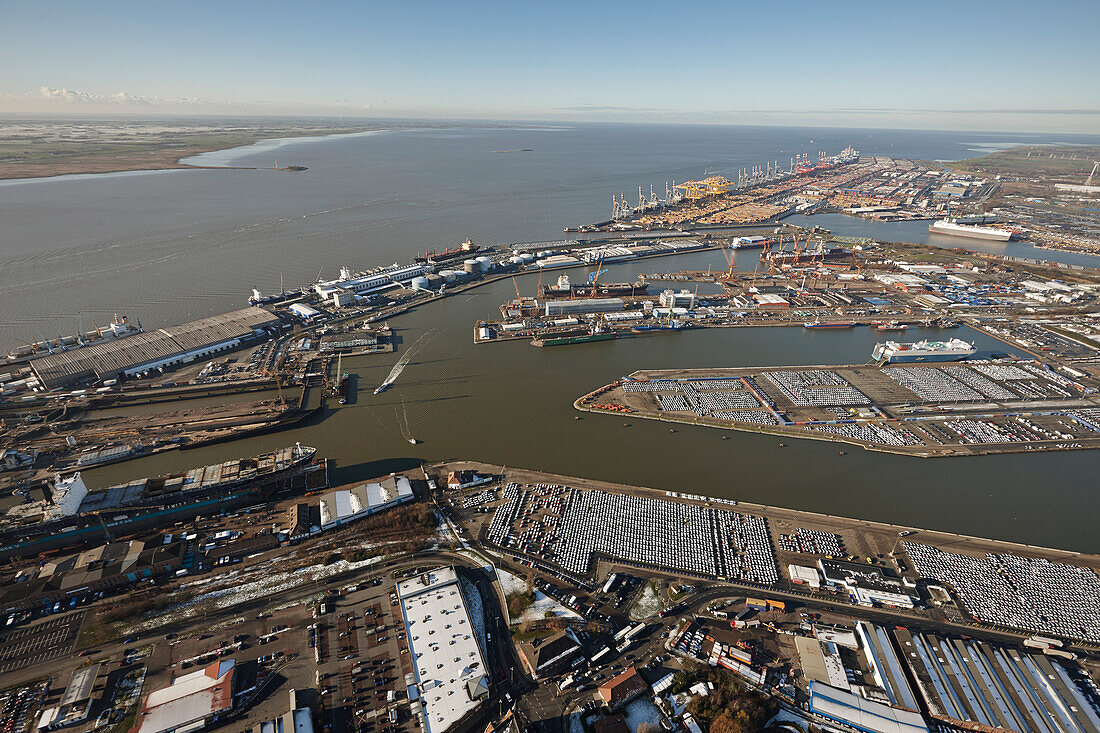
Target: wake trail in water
406,358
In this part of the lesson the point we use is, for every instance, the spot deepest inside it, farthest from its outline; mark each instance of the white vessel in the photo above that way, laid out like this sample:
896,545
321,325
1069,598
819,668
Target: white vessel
952,228
923,351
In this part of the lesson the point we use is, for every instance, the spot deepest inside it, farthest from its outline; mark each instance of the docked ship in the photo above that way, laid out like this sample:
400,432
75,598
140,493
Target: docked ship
892,326
575,337
564,289
829,324
893,352
73,514
794,256
462,250
953,228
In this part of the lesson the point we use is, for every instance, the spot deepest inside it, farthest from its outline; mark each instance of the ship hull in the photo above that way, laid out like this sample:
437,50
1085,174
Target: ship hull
971,233
926,358
567,340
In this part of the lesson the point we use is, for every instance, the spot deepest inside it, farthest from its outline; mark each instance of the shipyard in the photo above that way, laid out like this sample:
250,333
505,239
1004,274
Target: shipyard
303,585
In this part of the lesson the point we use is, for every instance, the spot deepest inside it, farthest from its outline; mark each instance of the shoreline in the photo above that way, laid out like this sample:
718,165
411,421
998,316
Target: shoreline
153,160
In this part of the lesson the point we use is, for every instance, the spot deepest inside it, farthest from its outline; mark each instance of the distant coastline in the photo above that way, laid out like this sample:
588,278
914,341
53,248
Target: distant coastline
149,155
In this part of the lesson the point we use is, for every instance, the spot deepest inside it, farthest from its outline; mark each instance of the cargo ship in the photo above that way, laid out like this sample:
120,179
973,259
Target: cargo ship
564,289
892,326
791,256
581,337
73,514
953,228
449,254
342,389
893,352
830,324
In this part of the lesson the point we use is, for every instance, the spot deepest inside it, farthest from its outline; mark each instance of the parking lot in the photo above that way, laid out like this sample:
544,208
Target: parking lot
362,675
17,705
39,642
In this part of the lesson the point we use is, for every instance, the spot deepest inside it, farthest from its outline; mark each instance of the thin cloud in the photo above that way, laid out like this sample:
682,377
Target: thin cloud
610,108
74,96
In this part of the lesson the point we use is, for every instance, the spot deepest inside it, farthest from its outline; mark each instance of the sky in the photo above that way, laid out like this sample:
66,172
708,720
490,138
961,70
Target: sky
969,64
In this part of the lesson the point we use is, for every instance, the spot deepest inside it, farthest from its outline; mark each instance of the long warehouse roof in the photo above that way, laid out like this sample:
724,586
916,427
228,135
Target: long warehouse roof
118,355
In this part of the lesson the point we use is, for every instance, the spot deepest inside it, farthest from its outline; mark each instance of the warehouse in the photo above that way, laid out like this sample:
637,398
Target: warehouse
886,668
76,701
447,661
861,714
191,701
589,305
155,350
346,505
971,684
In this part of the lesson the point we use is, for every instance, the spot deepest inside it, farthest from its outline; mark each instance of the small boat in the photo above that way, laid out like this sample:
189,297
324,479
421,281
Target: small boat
414,441
382,387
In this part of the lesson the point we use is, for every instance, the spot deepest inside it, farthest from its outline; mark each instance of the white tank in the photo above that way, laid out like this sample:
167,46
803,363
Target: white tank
515,260
449,275
419,283
486,263
527,257
546,253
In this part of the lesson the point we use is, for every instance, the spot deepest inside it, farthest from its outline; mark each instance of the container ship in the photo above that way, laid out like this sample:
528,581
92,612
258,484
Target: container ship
953,228
564,289
893,352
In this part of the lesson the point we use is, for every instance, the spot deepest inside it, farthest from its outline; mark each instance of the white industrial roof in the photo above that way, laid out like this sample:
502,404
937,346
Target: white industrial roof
863,714
190,697
345,504
442,645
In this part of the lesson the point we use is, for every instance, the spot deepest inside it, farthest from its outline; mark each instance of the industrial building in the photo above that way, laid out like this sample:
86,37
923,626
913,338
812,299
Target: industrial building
673,299
862,714
299,720
886,668
191,702
370,282
821,662
585,305
155,350
450,674
868,585
981,686
346,505
75,703
103,568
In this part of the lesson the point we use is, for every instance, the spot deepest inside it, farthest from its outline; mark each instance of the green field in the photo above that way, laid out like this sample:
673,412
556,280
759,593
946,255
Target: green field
1062,162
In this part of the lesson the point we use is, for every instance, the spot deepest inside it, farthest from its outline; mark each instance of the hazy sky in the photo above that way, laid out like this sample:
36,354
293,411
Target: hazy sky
1008,65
